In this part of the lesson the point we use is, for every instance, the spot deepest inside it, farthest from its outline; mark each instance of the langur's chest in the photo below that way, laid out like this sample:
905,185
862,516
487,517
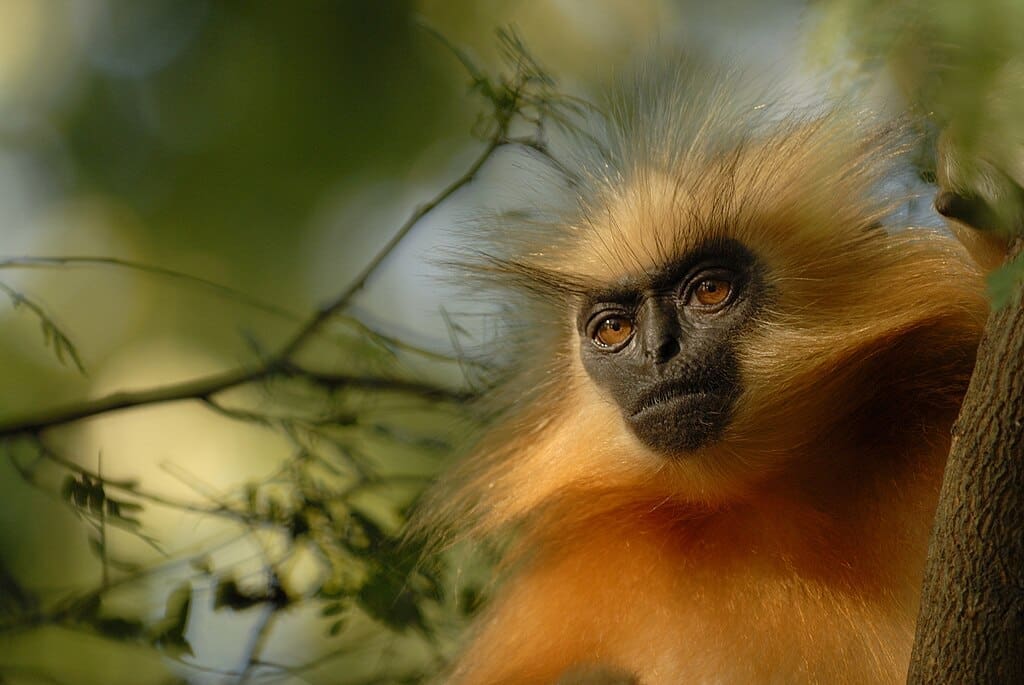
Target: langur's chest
697,614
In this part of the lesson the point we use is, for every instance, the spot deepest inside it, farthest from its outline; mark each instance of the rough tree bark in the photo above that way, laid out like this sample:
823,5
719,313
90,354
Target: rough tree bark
971,625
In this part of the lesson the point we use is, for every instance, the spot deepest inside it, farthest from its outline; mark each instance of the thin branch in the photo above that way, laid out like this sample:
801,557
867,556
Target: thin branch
542,150
342,300
507,96
104,561
262,630
294,502
131,487
187,390
210,385
52,333
427,391
223,290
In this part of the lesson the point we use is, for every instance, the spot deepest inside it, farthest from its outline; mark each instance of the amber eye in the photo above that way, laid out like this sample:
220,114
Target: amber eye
613,331
712,291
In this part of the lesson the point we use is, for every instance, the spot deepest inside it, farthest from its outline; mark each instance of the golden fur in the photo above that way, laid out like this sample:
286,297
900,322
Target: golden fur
791,549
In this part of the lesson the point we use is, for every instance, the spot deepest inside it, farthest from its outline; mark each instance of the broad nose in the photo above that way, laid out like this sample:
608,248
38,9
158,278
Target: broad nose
660,330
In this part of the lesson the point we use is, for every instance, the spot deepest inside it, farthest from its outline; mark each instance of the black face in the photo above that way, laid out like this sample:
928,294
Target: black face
664,347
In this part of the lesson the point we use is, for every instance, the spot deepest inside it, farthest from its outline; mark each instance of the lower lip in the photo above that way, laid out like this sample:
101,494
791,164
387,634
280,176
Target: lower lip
689,399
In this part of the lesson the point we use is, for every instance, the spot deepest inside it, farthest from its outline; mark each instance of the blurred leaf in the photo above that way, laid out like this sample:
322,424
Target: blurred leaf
85,608
299,524
94,495
385,597
229,595
365,535
169,633
68,488
336,627
179,603
470,600
120,628
113,508
117,509
175,646
332,609
202,564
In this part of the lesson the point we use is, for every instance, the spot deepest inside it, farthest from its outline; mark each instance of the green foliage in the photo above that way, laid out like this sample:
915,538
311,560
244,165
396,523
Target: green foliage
961,67
364,433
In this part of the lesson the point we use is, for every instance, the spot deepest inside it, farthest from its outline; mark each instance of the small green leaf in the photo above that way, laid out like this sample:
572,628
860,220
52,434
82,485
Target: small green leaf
229,595
385,598
203,564
175,646
68,489
179,604
95,497
250,496
470,600
299,525
85,608
169,633
119,628
80,495
332,609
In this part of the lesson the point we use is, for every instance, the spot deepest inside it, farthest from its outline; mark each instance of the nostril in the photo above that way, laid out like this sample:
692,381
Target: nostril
668,349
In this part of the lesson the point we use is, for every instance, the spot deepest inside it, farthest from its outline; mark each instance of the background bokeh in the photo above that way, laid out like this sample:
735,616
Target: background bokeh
272,148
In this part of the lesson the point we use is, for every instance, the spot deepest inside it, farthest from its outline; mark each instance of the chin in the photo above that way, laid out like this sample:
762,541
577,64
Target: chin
680,426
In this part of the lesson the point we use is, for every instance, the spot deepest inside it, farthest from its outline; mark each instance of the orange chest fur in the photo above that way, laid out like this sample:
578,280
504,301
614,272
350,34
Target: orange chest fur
721,602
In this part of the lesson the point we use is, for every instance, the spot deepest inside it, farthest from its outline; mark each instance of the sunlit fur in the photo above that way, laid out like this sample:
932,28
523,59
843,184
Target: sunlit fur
791,549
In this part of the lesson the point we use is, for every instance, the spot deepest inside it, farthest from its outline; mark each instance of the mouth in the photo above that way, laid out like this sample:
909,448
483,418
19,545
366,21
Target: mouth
675,419
674,394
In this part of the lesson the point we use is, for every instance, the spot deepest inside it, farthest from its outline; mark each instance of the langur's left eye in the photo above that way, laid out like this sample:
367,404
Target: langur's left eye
711,292
613,331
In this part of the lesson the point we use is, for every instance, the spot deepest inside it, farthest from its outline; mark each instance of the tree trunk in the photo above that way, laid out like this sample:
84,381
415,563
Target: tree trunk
971,625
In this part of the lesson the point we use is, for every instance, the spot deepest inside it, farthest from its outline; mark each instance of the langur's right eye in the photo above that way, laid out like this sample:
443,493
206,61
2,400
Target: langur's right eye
613,332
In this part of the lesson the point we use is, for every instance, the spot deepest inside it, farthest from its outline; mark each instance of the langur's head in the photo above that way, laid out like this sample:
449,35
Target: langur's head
723,289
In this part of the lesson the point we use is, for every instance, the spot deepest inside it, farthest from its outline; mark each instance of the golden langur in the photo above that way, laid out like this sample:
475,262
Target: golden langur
729,405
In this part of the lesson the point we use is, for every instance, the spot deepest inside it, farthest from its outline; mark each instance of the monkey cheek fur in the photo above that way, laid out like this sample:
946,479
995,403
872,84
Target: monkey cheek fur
682,423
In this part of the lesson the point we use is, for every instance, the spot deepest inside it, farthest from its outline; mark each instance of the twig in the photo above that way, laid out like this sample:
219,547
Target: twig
508,99
52,333
264,626
130,487
210,385
425,391
104,563
293,501
223,290
343,299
